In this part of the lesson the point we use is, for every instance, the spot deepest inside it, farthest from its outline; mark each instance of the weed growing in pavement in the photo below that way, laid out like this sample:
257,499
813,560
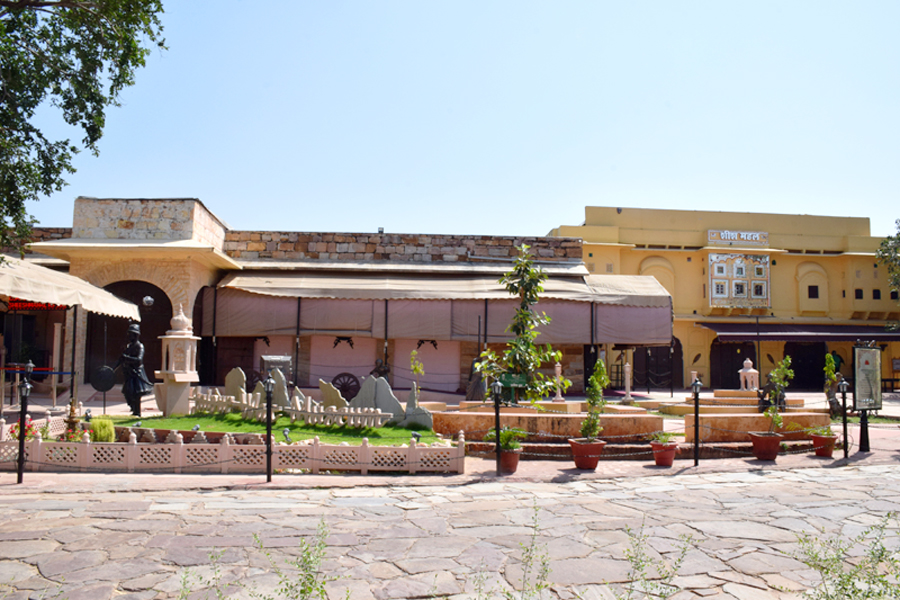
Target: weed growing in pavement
640,584
535,563
302,580
857,568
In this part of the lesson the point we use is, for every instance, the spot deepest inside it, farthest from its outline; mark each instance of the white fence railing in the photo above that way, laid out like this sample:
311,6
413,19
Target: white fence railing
225,457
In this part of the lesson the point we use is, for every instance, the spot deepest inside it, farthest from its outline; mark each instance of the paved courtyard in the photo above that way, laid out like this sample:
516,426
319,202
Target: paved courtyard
138,536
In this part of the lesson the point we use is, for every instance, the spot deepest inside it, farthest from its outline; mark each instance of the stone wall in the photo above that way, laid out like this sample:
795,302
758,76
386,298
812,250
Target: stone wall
282,245
166,219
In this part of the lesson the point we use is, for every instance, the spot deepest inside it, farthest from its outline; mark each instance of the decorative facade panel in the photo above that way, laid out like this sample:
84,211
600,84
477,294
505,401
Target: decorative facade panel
739,281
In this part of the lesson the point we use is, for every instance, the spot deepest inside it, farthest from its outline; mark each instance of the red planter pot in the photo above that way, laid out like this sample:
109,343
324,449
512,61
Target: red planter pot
766,445
586,454
664,454
824,444
509,461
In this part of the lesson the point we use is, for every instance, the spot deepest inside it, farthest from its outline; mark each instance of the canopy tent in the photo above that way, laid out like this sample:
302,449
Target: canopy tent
392,303
20,279
800,332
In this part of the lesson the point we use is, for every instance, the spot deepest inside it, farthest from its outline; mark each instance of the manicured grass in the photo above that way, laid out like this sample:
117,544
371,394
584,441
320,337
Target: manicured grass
234,423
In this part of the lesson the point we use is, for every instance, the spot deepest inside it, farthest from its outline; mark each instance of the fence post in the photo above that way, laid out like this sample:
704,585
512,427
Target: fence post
364,456
315,456
226,453
84,451
412,456
2,429
461,452
178,453
36,445
131,452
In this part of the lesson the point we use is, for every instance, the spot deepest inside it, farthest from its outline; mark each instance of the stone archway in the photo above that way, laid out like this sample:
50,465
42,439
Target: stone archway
107,336
180,280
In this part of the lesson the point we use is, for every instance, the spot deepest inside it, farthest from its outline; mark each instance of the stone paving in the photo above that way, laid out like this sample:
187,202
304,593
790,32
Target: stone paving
136,536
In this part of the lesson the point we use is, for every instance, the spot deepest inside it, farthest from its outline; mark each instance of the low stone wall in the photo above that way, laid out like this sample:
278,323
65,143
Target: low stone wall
734,427
224,457
555,427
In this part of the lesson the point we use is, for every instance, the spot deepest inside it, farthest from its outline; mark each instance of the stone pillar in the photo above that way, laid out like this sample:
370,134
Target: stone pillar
628,399
179,362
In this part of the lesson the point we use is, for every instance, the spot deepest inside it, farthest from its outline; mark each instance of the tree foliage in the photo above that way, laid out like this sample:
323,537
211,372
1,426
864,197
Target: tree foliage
522,356
75,56
889,256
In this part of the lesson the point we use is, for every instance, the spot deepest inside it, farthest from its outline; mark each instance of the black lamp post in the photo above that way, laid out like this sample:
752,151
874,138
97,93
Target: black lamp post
24,392
843,385
695,387
496,390
269,386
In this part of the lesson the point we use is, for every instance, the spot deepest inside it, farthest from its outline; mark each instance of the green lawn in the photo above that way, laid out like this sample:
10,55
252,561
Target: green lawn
234,423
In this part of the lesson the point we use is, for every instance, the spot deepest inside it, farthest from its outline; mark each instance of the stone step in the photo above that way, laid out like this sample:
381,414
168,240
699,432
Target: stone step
687,409
735,393
733,427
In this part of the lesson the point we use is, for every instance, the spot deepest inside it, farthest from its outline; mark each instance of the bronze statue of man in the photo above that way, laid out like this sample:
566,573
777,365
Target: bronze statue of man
136,383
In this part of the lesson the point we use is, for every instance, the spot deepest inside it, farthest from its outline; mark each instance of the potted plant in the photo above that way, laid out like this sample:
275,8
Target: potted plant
767,443
823,439
510,448
664,448
586,450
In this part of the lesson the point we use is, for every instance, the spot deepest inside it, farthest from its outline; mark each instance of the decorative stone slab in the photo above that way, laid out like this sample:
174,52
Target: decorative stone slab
376,393
414,414
331,397
236,383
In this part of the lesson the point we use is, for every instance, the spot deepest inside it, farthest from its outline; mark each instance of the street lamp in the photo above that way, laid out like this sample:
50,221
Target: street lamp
24,392
496,390
695,387
269,386
843,386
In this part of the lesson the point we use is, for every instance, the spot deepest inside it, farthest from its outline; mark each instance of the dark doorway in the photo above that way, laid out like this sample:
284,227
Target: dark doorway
808,364
725,360
660,366
234,352
104,349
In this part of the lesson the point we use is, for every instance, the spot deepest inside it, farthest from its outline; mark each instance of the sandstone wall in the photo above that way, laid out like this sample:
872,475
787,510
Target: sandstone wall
283,245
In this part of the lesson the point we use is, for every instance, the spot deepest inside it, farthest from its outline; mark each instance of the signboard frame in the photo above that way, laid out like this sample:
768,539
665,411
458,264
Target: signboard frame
866,378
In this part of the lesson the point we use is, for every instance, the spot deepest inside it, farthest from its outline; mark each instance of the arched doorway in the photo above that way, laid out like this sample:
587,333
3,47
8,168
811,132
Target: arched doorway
808,364
725,360
105,348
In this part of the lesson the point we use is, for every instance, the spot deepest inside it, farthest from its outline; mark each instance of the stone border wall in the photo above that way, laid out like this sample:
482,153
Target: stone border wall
226,458
283,245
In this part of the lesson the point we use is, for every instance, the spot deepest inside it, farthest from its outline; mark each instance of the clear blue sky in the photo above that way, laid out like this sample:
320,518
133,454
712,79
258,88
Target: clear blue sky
507,118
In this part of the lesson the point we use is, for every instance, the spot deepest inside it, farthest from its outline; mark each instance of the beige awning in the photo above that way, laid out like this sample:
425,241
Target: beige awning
625,290
20,279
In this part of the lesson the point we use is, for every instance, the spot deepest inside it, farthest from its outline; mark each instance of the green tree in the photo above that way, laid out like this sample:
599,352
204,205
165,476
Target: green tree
75,56
889,256
522,356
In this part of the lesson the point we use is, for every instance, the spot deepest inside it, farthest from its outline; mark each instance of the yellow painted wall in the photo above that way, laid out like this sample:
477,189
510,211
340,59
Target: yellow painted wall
837,254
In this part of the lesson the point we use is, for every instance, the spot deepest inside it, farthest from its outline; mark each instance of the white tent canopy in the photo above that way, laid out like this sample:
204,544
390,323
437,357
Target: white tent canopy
26,281
627,309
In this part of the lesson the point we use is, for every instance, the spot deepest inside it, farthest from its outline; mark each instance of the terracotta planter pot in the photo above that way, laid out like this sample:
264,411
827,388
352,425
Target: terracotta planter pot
824,444
509,461
664,454
765,445
586,454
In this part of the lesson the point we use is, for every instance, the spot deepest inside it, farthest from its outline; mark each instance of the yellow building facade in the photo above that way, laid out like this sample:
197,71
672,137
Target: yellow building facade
748,285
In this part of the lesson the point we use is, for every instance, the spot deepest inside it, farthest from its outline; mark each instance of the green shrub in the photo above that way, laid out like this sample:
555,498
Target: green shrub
103,430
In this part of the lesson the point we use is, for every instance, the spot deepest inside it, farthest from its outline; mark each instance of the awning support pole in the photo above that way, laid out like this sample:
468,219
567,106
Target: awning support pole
297,346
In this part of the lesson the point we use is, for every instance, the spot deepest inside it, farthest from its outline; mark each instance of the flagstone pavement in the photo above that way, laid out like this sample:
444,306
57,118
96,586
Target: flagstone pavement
133,536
